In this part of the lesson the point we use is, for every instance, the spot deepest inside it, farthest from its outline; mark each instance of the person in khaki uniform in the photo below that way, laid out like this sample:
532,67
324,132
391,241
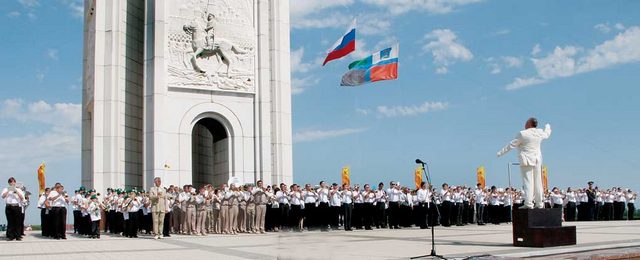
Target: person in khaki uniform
158,197
251,209
234,199
201,217
224,209
184,199
242,210
191,212
260,198
209,208
176,214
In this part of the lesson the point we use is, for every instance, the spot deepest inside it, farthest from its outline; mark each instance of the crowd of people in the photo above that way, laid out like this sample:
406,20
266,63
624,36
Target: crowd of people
233,209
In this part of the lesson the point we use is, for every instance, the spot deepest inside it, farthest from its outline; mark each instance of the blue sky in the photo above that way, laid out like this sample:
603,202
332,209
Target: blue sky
471,72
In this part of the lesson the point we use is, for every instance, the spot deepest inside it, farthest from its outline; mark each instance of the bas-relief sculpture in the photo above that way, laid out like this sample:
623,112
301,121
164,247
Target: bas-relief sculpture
212,45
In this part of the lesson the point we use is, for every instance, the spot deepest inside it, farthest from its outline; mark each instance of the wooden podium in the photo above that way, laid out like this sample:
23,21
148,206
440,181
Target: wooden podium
541,228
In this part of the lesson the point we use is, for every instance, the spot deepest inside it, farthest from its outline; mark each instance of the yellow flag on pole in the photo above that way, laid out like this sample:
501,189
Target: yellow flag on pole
418,177
346,178
41,182
481,177
545,177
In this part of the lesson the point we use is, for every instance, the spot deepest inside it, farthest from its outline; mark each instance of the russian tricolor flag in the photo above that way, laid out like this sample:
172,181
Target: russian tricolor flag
344,45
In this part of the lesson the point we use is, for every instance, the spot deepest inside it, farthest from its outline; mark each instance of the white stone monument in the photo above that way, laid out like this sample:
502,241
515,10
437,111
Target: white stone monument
192,91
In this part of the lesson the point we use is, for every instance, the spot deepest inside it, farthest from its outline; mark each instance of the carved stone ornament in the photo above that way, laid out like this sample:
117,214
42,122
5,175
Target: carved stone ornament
211,44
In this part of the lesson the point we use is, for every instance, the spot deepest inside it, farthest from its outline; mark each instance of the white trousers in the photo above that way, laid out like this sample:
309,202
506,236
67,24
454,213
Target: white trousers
532,185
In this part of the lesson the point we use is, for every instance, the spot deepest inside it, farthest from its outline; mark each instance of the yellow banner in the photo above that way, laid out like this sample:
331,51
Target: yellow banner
481,177
346,178
418,177
545,177
41,182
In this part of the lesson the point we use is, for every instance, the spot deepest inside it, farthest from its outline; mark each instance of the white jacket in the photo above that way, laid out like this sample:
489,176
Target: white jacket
528,143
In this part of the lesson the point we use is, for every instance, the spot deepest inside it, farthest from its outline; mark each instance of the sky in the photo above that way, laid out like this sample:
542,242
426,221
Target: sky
471,72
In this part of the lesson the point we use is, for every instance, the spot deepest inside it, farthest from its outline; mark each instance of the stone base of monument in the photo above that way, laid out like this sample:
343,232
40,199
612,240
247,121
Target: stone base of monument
541,228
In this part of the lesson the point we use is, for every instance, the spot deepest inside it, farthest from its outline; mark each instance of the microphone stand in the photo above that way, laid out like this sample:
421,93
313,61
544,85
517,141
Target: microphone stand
433,236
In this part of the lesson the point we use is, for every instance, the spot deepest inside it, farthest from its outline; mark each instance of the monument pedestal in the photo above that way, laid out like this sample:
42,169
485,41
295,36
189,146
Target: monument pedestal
541,228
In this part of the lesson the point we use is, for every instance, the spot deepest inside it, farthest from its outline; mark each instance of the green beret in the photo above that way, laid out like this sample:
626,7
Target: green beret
94,197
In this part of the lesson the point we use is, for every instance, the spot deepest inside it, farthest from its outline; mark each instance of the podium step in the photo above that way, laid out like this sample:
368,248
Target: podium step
537,217
545,237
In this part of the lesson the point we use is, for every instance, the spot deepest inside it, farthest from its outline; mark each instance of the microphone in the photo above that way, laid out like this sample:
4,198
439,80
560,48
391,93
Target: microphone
420,161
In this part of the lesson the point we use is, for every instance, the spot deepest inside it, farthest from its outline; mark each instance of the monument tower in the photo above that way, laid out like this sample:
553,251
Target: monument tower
192,91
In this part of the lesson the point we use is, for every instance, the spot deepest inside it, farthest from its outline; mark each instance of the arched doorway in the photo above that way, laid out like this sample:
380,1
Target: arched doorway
210,153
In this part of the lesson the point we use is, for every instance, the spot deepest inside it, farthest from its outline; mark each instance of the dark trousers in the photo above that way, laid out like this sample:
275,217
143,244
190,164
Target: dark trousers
368,212
324,214
95,228
394,209
76,221
423,212
631,208
589,208
44,225
59,223
480,213
132,225
607,211
166,228
296,216
445,213
570,213
356,219
12,214
494,211
309,215
347,210
381,215
507,213
335,216
284,216
597,211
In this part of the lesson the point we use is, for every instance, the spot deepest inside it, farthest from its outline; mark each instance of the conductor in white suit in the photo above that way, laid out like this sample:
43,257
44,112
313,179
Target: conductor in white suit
528,143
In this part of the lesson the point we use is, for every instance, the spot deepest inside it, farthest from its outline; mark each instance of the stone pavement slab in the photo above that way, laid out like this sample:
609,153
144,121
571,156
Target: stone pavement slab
452,242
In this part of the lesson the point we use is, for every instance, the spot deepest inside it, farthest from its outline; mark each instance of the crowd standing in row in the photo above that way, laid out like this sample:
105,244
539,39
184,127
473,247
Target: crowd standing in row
233,209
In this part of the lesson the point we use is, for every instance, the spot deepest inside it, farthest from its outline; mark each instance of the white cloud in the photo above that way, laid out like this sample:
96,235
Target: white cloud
431,6
571,60
504,61
299,85
602,27
442,70
362,111
297,65
76,7
59,114
315,135
373,25
512,62
535,50
401,111
524,82
55,136
446,49
302,14
619,26
29,3
501,32
13,14
52,54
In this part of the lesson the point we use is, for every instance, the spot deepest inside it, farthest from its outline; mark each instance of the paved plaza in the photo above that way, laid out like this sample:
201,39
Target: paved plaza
453,242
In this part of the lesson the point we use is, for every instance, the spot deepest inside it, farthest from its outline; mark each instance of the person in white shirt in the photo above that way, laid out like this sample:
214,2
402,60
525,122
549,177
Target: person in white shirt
369,198
323,212
297,208
310,198
12,197
335,199
445,206
131,206
283,198
59,200
528,142
358,204
393,196
494,209
347,206
423,205
95,209
570,211
44,213
479,196
381,207
631,201
556,198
